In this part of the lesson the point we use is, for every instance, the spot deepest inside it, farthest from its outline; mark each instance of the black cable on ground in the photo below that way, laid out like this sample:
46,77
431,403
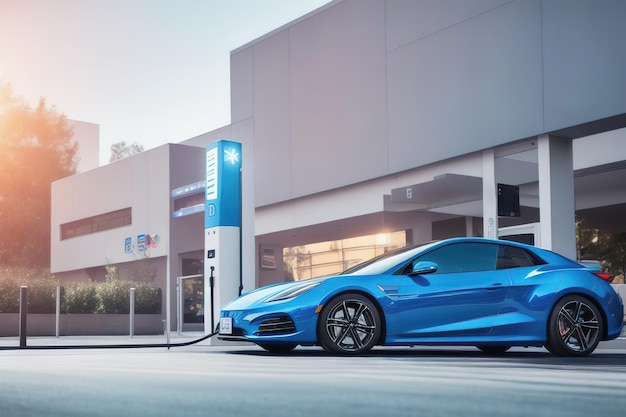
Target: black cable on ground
122,346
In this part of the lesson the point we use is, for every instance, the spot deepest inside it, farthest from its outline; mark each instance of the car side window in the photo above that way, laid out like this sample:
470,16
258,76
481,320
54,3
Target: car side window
514,257
463,257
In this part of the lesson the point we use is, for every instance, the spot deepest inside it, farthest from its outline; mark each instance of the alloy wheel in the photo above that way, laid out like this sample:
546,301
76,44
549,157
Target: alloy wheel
350,325
575,327
578,325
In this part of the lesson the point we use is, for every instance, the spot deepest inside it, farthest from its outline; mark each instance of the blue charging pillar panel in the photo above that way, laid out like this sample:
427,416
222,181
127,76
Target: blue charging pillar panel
222,224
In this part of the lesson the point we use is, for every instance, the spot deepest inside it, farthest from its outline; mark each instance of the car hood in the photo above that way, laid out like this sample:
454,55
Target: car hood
260,295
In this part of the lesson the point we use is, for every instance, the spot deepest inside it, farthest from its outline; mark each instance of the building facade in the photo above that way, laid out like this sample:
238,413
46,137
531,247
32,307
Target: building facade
87,136
373,118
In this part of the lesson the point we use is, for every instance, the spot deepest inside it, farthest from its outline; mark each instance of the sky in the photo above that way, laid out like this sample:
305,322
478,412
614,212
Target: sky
146,71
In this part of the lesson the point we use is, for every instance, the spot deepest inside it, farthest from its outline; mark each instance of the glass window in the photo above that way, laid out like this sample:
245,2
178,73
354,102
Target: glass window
514,257
463,257
333,257
99,223
188,201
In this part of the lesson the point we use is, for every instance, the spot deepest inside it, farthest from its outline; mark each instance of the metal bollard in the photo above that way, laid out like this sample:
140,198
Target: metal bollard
132,312
57,315
23,314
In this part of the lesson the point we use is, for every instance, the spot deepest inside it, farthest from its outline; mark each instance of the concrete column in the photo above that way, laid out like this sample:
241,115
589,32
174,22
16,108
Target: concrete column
556,195
490,195
469,226
422,231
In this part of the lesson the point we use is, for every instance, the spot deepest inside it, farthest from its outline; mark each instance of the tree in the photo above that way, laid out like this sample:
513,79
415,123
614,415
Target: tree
294,259
609,248
36,148
615,253
121,150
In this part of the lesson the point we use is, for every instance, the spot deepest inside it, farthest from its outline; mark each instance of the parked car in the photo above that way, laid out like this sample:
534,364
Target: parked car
491,294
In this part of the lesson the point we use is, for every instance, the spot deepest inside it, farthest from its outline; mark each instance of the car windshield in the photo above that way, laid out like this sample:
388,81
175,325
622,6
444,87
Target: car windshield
385,262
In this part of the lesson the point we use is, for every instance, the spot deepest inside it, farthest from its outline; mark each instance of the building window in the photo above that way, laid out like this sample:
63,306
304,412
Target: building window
189,204
189,199
332,257
99,223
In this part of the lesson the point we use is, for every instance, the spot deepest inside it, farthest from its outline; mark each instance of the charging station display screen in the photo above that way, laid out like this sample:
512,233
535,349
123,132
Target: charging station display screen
223,184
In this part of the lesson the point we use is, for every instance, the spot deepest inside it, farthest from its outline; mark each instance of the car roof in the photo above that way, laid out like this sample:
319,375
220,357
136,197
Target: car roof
544,254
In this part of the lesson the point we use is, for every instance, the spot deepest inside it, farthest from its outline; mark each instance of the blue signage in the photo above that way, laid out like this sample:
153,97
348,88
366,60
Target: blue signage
223,184
128,245
142,244
196,187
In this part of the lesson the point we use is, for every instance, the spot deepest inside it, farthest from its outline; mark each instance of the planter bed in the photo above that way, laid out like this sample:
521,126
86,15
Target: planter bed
81,324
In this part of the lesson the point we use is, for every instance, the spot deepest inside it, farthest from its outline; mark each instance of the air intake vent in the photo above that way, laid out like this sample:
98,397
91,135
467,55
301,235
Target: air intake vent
276,325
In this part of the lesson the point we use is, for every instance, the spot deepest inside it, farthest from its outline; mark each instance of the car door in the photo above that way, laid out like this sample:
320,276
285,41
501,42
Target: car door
527,305
459,300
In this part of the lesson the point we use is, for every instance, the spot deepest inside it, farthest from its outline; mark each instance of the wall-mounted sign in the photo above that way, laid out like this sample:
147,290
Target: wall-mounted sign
196,187
142,243
268,259
152,240
128,245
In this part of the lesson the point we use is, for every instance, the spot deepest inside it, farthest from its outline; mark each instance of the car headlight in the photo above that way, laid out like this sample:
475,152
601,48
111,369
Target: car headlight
293,291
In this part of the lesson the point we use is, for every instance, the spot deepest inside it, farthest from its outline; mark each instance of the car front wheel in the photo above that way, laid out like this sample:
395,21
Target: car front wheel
575,327
349,324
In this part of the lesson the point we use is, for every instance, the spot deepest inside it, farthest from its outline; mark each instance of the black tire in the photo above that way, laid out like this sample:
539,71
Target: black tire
349,324
494,350
278,347
575,327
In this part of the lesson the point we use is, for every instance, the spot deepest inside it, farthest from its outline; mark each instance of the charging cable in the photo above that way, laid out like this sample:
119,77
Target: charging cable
120,346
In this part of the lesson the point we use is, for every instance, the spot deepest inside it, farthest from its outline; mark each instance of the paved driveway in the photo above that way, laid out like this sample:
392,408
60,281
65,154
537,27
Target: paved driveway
202,380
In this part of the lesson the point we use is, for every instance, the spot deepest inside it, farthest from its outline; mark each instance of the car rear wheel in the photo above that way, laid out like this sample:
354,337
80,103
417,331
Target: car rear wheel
575,327
278,347
349,324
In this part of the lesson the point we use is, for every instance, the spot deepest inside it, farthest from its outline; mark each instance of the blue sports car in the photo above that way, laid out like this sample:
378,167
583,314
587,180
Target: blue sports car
492,294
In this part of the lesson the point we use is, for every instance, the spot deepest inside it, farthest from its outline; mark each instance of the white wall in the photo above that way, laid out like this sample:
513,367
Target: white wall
472,82
319,101
87,136
140,182
358,200
364,89
584,57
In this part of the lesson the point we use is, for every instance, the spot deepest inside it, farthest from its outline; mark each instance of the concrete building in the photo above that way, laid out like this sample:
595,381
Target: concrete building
87,136
370,117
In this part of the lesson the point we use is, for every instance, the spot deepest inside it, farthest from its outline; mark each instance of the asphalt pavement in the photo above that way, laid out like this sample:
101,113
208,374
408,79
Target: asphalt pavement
38,342
173,339
203,379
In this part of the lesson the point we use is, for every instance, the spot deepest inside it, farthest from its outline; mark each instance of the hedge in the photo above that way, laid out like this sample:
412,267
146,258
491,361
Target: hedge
114,297
110,297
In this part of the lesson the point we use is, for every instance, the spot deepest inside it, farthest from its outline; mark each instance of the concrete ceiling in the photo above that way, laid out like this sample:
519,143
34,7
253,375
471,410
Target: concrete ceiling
600,200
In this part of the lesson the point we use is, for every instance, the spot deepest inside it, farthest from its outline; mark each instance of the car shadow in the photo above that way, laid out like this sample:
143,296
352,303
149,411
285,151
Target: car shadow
538,356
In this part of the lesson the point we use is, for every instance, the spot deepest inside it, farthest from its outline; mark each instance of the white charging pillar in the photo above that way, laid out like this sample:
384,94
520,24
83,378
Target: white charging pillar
222,224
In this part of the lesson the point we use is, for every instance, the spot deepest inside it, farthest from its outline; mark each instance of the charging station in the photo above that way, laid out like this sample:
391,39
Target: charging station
222,224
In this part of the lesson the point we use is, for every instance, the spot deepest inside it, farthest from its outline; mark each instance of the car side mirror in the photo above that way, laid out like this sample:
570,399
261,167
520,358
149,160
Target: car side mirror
424,267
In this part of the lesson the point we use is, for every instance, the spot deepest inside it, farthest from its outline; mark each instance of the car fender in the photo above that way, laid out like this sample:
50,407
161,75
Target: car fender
600,293
379,299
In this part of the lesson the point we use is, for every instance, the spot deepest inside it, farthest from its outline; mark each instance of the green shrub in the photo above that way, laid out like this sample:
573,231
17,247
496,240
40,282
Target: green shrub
114,297
79,298
147,299
42,294
41,289
110,297
9,294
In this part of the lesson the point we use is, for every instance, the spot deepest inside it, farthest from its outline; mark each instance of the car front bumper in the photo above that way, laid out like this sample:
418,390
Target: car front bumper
263,326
